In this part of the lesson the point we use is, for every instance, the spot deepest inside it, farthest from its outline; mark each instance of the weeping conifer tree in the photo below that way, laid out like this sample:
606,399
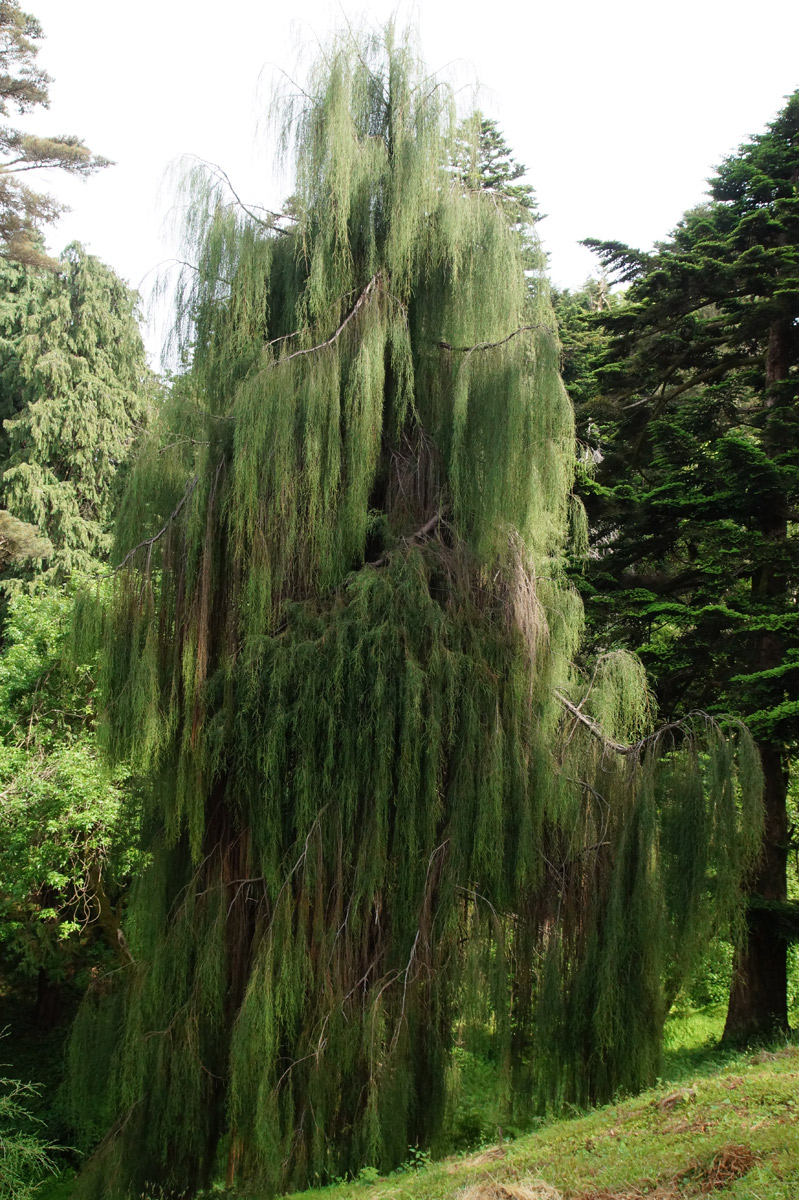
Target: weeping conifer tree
381,797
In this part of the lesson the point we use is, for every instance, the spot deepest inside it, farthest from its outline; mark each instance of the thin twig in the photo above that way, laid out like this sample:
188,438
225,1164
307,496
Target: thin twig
334,336
265,224
149,542
490,345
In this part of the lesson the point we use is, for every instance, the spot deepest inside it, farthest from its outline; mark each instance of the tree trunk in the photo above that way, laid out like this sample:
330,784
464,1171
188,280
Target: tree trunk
758,1007
48,1001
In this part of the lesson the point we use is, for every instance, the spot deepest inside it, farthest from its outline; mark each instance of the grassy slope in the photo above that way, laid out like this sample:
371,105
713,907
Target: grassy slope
732,1129
740,1112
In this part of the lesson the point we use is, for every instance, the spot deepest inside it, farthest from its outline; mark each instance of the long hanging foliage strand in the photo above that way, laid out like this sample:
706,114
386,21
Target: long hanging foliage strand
380,793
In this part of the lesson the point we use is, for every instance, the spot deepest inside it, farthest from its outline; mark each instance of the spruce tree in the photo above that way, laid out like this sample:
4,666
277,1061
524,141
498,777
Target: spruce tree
339,648
75,389
695,499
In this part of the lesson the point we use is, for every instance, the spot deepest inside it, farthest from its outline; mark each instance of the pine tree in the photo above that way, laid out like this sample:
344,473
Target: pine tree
74,390
484,160
694,505
381,799
23,86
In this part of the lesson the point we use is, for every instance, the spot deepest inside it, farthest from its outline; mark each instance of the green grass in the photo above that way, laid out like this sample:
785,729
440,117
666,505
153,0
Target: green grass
741,1115
740,1111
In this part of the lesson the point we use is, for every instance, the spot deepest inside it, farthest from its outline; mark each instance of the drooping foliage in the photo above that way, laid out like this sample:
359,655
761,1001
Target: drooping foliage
339,648
695,426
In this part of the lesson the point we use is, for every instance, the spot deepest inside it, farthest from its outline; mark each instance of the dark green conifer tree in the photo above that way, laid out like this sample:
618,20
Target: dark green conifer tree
484,160
694,505
340,649
74,390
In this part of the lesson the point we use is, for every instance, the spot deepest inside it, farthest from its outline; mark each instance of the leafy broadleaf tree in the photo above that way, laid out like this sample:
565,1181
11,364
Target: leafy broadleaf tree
695,499
64,852
380,796
24,87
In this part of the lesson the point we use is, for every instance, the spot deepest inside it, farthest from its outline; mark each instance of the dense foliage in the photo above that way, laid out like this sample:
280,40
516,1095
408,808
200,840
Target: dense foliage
322,789
64,851
381,799
74,391
695,433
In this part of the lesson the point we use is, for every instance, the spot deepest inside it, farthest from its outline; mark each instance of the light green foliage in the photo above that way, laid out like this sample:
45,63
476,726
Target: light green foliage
338,659
19,542
24,1155
59,804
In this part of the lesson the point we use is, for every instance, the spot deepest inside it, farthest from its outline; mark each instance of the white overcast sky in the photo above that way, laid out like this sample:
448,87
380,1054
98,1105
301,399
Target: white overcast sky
620,109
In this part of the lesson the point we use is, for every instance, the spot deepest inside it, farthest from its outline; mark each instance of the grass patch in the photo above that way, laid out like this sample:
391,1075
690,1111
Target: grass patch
734,1131
718,1123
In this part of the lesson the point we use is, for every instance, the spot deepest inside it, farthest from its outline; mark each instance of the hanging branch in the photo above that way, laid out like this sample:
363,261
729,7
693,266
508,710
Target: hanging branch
423,532
334,336
150,542
274,217
106,916
491,345
634,747
596,728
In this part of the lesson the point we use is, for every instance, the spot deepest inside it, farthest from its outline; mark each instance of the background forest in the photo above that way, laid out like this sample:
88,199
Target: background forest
400,701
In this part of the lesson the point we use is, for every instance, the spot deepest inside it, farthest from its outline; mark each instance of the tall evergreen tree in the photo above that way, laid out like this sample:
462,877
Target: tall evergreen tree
24,87
380,795
695,502
484,160
74,389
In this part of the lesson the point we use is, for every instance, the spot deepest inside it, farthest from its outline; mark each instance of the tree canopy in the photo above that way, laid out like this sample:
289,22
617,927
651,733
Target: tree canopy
75,389
382,802
695,498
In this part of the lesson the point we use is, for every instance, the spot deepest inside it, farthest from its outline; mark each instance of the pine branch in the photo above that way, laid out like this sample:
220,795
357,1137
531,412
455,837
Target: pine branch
703,377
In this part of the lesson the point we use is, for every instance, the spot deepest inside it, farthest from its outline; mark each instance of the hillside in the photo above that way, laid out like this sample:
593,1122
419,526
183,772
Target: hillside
734,1130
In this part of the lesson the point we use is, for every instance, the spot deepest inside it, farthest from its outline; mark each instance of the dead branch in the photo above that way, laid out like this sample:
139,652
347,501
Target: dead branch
595,727
274,217
424,532
652,739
